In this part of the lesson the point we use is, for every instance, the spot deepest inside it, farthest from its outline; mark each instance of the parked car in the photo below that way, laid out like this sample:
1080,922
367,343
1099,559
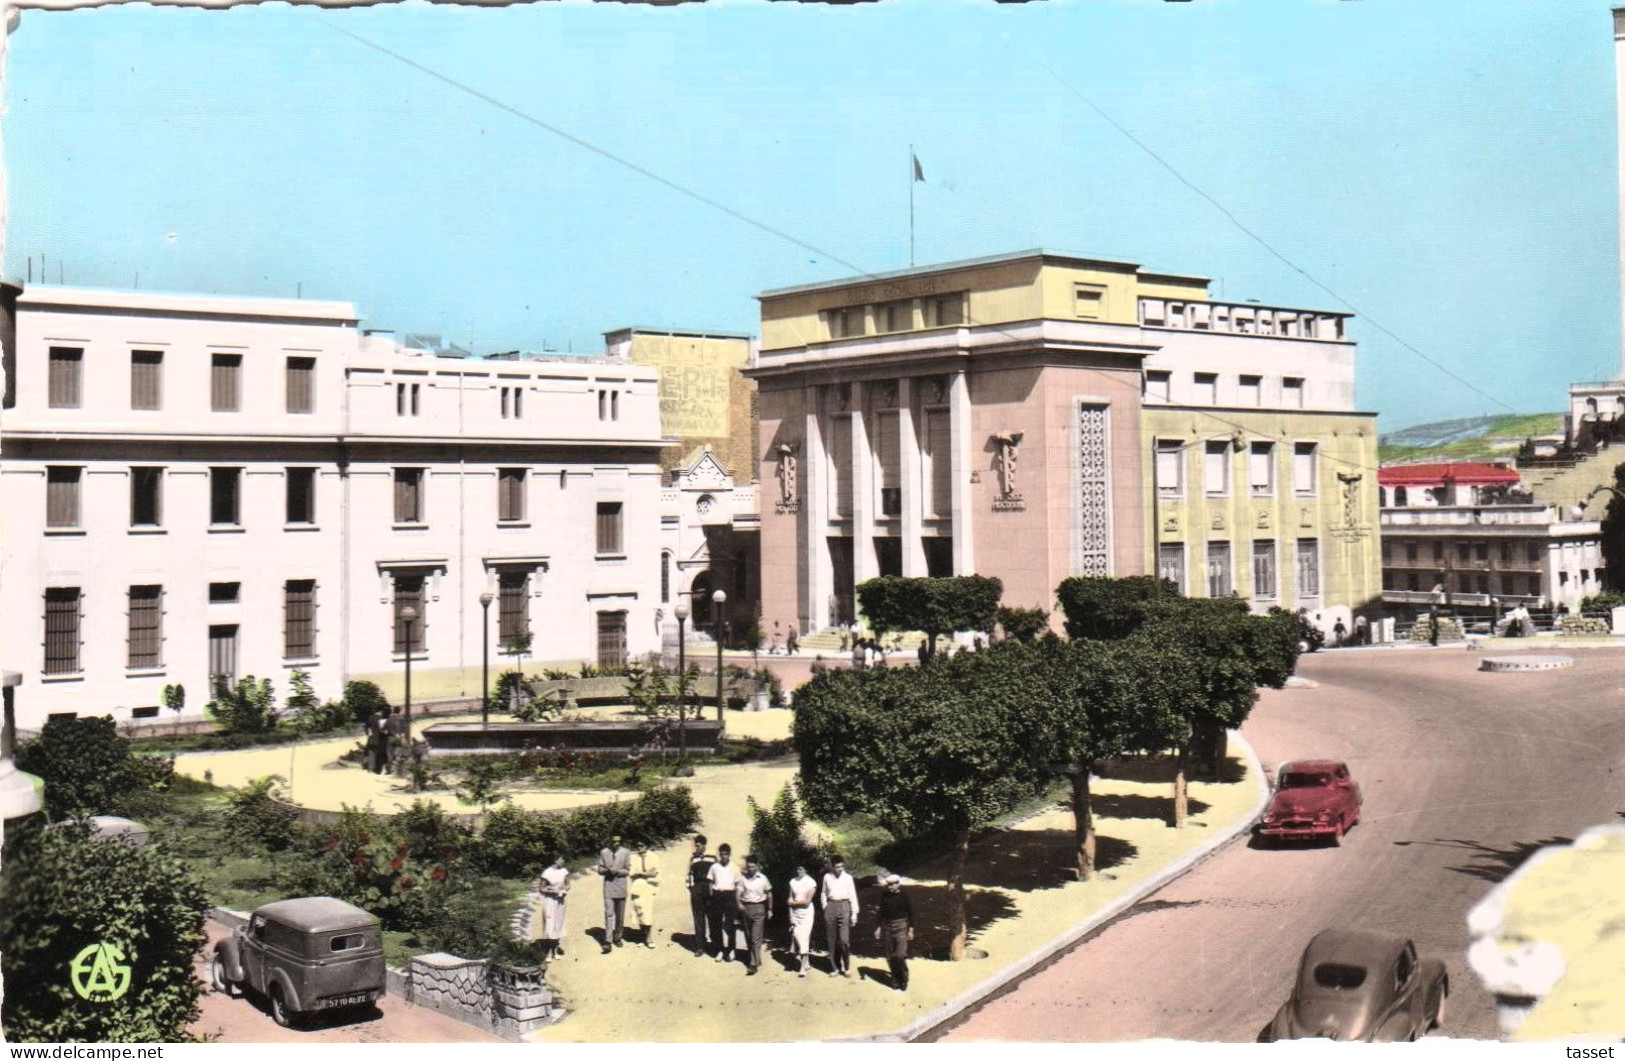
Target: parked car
303,956
1362,987
107,827
1315,799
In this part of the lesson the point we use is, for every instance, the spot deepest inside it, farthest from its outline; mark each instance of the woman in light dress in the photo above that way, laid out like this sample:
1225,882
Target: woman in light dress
555,884
802,890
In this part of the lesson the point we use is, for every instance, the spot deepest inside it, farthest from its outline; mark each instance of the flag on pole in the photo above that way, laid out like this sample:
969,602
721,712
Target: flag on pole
919,174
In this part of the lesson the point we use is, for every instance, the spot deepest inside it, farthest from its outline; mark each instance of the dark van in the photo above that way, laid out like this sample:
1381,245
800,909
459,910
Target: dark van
304,956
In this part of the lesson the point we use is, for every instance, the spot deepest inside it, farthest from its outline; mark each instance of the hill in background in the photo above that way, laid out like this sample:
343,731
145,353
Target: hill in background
1473,438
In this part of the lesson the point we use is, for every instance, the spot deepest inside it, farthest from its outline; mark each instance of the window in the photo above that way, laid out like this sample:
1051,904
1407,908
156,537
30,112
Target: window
144,712
1261,469
510,495
1309,566
66,372
614,405
1207,388
1534,552
1159,386
146,497
1292,392
301,384
1087,300
1562,578
513,607
1216,469
1264,570
408,495
948,310
1171,563
891,501
888,467
611,638
1481,551
406,399
409,594
1438,552
62,631
146,636
609,527
299,619
1170,467
1402,497
513,402
225,500
1387,550
62,497
665,578
1305,474
895,316
301,490
146,379
224,592
603,405
1464,551
225,382
1218,569
1413,582
1410,552
1252,390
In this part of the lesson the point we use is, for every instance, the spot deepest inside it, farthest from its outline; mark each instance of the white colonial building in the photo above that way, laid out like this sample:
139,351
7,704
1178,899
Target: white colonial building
196,487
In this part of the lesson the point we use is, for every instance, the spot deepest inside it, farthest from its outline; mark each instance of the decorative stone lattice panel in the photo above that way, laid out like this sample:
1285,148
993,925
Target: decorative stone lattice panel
1094,497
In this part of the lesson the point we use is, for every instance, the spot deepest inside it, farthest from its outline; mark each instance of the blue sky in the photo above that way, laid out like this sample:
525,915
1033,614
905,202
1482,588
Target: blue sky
1447,166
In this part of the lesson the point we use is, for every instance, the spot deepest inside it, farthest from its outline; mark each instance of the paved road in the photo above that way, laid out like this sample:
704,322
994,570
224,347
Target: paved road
1464,775
239,1020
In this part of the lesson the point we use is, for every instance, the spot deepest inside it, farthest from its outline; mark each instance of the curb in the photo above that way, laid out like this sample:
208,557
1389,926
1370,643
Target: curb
1174,870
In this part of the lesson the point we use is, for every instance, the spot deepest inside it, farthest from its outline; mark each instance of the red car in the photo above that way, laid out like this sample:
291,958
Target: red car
1315,799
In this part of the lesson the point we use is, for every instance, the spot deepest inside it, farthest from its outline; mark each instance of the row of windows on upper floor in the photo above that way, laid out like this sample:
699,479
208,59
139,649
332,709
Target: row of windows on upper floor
65,386
64,483
1503,583
1411,551
1240,319
1218,457
1250,392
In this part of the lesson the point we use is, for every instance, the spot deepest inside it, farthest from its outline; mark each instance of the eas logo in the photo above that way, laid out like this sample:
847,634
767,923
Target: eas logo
99,973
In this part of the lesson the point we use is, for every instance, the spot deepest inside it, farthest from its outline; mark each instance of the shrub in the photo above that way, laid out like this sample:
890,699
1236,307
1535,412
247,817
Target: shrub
364,700
1109,609
933,606
470,925
65,892
517,842
86,766
254,815
777,842
306,714
1308,633
247,707
366,861
1023,624
1602,602
432,834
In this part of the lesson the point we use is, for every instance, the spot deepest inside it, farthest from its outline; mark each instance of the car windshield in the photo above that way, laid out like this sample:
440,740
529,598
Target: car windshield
1339,977
1306,780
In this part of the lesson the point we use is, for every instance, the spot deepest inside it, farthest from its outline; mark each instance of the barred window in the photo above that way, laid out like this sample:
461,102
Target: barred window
409,594
301,384
665,577
513,614
611,638
301,495
510,494
66,375
609,526
225,382
146,497
62,496
299,619
146,626
62,631
408,495
146,379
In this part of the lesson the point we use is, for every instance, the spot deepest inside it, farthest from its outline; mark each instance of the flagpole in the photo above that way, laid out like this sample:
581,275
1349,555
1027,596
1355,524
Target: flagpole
911,206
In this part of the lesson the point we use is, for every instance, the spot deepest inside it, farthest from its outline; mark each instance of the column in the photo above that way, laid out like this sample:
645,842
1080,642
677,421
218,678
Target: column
864,565
908,474
817,582
959,428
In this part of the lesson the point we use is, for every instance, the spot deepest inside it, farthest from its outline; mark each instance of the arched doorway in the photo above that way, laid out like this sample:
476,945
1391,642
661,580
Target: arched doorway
703,610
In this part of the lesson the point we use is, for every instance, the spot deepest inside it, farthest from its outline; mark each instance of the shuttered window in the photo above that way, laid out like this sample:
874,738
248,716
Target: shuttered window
609,526
225,496
408,495
225,382
840,460
299,619
510,494
1309,566
409,594
939,452
301,384
1218,569
1216,469
146,379
1170,467
888,477
146,626
1303,468
65,383
1261,468
62,631
62,497
301,495
146,497
1264,570
1171,563
513,611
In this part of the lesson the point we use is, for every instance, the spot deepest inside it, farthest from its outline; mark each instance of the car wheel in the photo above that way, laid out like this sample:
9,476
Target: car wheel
279,1007
217,974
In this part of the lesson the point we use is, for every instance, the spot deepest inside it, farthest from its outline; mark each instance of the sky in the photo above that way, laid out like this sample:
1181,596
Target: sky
1446,168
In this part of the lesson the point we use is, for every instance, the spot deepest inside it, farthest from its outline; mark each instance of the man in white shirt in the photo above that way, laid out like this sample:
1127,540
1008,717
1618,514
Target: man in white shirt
755,893
722,906
838,898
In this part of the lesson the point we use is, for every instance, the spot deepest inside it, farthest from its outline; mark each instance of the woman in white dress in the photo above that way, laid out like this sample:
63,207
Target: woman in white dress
802,890
555,884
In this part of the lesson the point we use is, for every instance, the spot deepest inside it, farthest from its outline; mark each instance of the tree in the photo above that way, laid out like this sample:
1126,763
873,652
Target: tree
935,752
1022,624
174,698
1109,609
777,841
363,699
86,766
1613,535
933,606
247,707
516,647
480,786
103,915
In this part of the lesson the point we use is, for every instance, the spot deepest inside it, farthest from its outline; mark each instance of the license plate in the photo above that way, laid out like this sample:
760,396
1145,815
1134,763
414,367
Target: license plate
347,1000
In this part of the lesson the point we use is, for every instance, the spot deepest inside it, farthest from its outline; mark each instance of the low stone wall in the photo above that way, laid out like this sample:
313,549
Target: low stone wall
511,1002
1449,629
1585,626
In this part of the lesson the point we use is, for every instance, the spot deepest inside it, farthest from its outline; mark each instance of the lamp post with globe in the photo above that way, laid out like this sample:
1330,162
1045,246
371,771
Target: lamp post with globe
681,612
718,599
485,657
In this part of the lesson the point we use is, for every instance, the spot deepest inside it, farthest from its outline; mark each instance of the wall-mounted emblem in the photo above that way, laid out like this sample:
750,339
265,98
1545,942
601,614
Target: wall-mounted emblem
789,490
1009,453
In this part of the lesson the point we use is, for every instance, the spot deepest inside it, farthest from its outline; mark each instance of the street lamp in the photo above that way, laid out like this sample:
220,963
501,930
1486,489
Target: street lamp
485,657
409,615
681,612
717,600
1579,511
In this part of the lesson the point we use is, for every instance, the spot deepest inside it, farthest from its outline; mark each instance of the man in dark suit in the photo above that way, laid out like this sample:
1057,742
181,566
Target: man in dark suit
615,866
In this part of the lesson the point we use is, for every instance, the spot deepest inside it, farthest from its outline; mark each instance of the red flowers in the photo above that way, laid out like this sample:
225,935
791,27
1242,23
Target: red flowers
438,874
397,864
